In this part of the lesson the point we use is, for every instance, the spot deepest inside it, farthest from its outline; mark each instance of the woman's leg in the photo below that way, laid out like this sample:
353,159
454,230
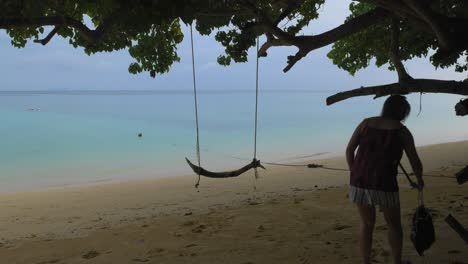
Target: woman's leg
395,232
367,214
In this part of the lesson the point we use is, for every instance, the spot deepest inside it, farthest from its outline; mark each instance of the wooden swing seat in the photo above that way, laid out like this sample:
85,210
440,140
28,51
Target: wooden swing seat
224,174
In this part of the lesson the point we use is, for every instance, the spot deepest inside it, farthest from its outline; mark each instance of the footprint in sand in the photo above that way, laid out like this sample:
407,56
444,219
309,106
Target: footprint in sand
155,252
339,227
189,223
260,228
176,234
140,260
199,229
49,261
298,200
191,245
91,254
273,201
97,220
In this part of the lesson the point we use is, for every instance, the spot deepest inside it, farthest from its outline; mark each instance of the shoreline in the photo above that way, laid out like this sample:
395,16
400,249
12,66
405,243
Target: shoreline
325,156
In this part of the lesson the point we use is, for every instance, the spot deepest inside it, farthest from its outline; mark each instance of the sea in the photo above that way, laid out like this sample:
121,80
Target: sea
52,139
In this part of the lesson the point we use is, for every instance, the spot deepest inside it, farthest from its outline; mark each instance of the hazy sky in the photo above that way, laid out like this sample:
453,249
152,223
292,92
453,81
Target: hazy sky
59,66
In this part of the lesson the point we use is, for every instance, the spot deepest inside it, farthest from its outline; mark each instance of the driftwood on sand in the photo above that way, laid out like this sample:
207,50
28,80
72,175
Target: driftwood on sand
457,227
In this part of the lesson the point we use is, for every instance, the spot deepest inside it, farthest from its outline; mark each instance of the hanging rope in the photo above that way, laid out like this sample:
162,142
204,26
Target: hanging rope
256,109
412,183
319,166
420,103
254,164
196,105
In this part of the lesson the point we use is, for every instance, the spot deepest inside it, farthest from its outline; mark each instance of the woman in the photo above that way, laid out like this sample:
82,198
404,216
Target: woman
381,141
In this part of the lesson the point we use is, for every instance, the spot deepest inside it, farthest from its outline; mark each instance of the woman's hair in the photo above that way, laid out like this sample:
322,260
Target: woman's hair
396,107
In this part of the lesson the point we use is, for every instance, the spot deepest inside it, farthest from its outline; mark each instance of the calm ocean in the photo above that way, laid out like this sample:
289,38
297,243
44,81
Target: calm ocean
61,138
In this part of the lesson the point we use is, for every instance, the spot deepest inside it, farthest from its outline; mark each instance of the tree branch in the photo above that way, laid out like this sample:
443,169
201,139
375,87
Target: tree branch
91,36
223,13
420,15
271,42
292,5
397,7
401,10
306,44
293,59
428,16
49,36
416,86
395,52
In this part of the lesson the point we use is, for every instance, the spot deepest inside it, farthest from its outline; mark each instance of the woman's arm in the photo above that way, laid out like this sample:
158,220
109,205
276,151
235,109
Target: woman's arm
353,144
413,157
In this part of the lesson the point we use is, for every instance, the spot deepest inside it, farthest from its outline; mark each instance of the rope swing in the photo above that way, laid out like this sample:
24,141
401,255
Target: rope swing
254,164
199,170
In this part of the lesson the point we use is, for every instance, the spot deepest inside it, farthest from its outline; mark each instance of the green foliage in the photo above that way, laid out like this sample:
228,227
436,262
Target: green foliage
239,34
156,50
237,45
357,51
148,32
151,29
306,13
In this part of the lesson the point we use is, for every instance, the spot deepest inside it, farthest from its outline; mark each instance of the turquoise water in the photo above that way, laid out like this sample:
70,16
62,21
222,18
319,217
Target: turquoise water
76,138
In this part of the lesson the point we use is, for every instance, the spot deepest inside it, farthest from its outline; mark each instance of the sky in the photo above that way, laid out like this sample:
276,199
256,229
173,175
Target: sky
59,66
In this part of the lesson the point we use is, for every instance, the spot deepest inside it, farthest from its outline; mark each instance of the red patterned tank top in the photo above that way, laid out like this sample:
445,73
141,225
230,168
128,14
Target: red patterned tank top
375,166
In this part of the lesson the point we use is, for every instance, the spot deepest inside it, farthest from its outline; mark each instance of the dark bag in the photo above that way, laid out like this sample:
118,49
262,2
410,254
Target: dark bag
462,176
422,232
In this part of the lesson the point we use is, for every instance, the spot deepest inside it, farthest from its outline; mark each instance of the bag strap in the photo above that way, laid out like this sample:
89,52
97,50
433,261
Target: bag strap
414,186
420,198
411,182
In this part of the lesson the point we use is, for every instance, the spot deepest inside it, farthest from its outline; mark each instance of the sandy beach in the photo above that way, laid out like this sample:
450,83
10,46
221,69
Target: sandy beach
288,215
